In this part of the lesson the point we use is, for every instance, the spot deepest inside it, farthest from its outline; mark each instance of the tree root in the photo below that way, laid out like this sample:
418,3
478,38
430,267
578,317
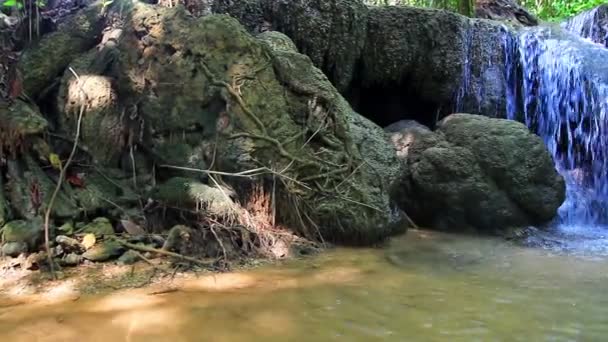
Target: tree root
140,248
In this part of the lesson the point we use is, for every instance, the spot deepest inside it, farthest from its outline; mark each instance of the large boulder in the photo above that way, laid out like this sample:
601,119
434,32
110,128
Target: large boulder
196,93
476,173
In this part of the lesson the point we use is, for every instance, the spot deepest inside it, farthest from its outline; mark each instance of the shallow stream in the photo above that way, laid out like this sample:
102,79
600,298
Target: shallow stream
424,287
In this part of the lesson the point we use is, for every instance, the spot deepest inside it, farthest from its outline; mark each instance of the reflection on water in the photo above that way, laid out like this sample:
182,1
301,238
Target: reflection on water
424,287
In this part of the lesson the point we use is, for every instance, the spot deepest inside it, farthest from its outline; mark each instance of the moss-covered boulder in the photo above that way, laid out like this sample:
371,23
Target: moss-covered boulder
21,236
242,103
477,173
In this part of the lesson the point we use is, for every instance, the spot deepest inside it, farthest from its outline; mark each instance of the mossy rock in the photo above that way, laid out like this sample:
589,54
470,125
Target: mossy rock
104,251
286,116
22,118
44,61
29,233
14,249
100,226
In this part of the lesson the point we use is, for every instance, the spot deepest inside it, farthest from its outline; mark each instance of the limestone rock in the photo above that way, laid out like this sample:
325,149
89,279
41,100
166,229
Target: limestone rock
477,173
279,111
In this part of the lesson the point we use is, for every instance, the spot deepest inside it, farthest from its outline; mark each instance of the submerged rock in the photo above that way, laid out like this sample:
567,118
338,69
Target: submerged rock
477,173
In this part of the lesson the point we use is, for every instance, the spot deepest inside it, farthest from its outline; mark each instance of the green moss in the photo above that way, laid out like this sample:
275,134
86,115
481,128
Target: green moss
43,62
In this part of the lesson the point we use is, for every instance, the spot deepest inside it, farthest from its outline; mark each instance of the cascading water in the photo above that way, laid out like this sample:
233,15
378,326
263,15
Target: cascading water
563,97
592,25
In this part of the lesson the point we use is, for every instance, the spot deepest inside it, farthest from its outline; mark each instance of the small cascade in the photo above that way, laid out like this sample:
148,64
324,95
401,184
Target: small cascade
592,25
567,105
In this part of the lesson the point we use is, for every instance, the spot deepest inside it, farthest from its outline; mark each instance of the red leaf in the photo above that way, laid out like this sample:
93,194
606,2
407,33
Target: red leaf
75,181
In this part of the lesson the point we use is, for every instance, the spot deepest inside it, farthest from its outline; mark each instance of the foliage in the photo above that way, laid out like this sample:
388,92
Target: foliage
553,10
550,10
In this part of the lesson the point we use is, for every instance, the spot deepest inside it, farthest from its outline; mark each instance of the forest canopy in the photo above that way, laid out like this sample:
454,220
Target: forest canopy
550,10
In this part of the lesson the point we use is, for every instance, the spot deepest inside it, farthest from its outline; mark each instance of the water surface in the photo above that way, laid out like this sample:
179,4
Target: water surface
424,287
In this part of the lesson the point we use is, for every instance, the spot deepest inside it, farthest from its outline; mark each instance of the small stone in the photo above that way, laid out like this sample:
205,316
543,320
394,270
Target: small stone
69,244
67,228
57,251
100,226
129,258
14,249
104,251
71,259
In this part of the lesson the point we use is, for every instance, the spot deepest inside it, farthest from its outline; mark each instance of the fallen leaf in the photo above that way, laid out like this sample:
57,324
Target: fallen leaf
89,240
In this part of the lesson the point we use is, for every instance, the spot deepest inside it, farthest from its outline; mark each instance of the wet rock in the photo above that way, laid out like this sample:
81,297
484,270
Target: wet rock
477,173
100,226
104,251
14,249
129,258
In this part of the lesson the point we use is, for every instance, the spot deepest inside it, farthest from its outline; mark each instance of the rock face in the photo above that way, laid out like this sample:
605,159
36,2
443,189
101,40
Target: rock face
591,24
392,59
476,173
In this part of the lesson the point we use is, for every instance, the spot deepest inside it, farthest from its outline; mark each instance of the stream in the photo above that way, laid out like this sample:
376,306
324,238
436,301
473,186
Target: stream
425,286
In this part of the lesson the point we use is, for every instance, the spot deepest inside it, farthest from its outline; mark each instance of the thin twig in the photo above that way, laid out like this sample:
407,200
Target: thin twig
62,172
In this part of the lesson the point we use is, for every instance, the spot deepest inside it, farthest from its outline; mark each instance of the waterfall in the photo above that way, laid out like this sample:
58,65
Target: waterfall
567,106
592,25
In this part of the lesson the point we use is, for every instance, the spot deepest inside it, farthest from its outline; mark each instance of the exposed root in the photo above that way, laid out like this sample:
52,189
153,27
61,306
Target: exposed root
162,252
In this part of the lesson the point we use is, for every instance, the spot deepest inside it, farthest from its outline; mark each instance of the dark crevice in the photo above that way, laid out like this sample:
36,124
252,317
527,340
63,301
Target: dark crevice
388,103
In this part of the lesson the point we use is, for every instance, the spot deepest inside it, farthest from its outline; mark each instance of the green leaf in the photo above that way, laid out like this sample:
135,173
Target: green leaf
10,3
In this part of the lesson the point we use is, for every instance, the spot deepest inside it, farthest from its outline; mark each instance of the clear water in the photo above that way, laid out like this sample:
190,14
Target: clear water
424,287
